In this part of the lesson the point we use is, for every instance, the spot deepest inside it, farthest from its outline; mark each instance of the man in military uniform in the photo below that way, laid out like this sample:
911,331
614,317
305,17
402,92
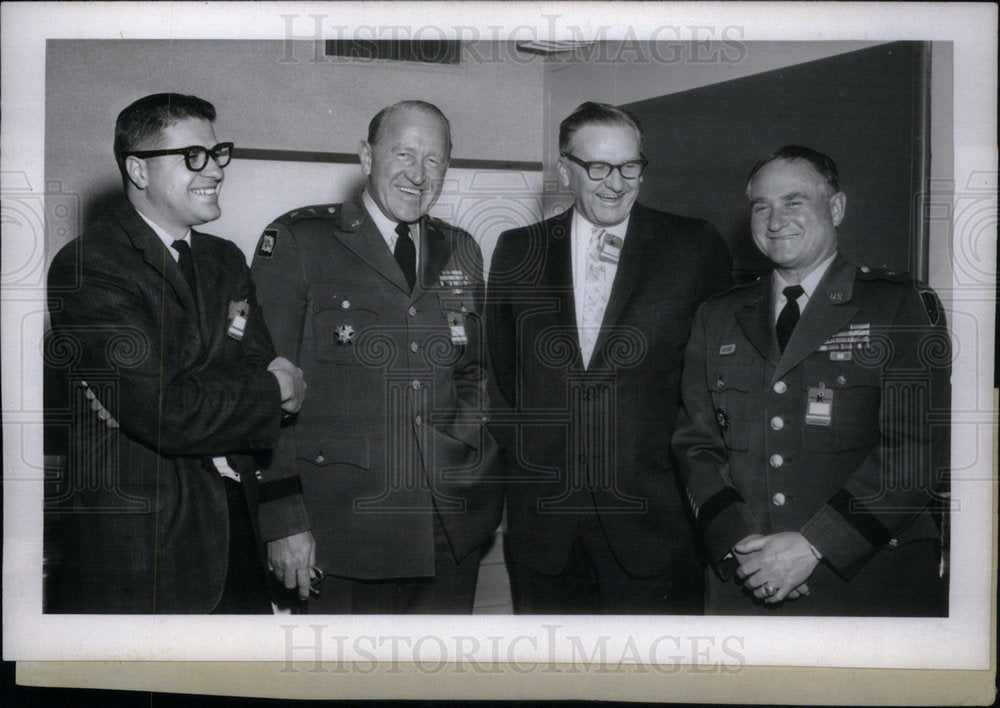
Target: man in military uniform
383,471
813,438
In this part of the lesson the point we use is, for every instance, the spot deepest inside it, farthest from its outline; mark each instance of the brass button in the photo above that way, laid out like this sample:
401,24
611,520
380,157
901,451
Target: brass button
413,346
320,459
893,542
720,384
776,461
780,387
418,419
778,499
346,304
415,385
841,380
777,423
464,308
412,312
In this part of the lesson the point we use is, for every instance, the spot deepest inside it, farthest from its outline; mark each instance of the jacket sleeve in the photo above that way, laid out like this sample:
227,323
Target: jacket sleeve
175,405
904,471
721,515
283,294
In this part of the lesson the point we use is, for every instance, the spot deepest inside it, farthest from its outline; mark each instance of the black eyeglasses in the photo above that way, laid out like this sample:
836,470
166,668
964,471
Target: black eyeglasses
600,170
195,156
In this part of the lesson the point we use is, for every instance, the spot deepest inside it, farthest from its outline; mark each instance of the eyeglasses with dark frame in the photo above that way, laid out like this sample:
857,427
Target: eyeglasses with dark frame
600,170
195,156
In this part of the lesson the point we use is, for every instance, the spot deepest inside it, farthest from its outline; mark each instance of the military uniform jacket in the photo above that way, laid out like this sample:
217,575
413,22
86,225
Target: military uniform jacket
597,438
392,427
842,438
145,520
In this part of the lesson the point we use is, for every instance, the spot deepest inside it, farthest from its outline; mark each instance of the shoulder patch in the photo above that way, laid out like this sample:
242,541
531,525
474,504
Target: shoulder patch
932,304
316,211
268,242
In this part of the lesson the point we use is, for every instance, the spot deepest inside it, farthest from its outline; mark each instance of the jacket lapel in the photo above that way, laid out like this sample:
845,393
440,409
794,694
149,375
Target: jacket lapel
755,320
436,251
559,274
632,267
829,311
359,234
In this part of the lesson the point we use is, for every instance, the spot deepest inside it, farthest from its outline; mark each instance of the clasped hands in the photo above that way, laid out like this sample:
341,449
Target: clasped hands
775,567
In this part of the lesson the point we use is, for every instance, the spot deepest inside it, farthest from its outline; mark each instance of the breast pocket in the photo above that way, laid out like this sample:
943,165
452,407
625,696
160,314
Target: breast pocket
341,313
854,408
728,379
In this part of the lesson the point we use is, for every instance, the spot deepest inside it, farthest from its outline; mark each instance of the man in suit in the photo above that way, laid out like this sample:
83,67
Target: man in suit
379,303
587,317
158,508
813,436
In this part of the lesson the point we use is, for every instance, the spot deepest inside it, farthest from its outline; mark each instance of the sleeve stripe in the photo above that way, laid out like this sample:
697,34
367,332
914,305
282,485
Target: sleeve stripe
280,488
714,506
860,518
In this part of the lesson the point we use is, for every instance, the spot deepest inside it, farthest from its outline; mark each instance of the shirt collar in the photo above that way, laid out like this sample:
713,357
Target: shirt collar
164,236
809,283
385,225
582,225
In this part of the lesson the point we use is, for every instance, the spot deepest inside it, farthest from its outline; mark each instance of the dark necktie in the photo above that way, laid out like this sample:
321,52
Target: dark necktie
789,316
406,253
186,261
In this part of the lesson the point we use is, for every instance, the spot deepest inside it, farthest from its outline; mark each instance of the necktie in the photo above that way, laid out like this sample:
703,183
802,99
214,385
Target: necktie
594,296
186,261
789,316
406,253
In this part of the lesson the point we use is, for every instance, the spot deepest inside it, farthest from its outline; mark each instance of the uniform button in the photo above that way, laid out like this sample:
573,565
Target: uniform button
418,419
412,312
778,499
413,346
415,385
346,304
780,387
776,461
320,459
841,380
777,423
893,542
720,384
464,308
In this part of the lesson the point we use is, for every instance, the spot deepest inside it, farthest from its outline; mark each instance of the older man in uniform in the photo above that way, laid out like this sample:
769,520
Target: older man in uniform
384,468
813,438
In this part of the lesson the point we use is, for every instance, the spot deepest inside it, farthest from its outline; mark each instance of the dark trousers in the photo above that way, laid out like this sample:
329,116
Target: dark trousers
593,582
452,590
246,591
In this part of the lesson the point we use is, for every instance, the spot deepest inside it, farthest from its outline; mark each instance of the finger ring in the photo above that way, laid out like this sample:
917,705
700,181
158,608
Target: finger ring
769,589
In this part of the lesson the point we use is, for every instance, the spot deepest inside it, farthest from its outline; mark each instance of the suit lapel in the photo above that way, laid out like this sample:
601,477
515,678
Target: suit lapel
559,274
360,235
829,311
155,254
755,320
632,268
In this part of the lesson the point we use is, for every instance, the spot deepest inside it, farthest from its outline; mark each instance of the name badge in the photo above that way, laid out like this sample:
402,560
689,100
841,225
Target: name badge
819,406
456,323
238,312
610,248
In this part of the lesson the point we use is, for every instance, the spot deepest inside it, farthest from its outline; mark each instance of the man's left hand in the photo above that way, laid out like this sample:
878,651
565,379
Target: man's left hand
775,565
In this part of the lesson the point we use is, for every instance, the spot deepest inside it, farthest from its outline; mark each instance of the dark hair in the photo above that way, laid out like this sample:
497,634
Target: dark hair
826,167
146,119
595,113
423,106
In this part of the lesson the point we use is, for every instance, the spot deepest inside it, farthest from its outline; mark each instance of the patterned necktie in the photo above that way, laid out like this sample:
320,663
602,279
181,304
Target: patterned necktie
594,296
789,316
186,261
406,253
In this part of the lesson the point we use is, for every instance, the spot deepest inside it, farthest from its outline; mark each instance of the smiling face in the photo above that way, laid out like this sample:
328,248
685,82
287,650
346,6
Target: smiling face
794,216
604,202
165,190
407,164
